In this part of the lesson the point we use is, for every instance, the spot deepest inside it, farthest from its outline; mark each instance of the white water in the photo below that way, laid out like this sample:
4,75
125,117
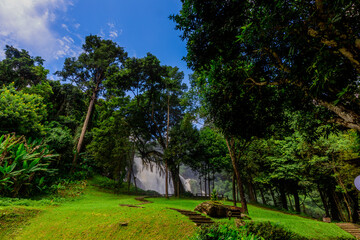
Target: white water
151,178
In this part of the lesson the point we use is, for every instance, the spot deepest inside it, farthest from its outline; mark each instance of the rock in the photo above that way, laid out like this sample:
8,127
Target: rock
245,217
212,209
239,222
123,224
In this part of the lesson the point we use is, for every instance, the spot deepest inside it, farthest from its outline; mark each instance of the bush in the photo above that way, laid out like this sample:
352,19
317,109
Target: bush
24,166
271,231
69,189
21,112
107,183
222,232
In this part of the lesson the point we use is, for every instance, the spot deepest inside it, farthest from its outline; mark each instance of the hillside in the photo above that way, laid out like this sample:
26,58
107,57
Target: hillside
98,214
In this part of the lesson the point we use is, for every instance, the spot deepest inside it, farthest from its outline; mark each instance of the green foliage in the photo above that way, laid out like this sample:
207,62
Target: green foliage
105,182
222,232
100,59
294,45
20,112
66,105
214,195
110,148
20,68
60,140
24,166
119,187
270,231
69,189
183,145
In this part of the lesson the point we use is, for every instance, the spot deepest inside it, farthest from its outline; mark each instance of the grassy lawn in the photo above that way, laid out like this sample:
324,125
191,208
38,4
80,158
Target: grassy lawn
303,226
97,215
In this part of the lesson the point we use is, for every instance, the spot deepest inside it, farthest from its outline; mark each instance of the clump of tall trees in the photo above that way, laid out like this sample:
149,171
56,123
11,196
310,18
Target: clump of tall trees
259,62
132,106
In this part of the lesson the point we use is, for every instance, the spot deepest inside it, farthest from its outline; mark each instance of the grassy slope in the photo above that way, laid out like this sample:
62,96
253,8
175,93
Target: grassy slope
303,226
306,227
97,215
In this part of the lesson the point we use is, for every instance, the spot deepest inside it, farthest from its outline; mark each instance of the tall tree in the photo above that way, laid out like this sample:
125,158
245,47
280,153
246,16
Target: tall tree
238,111
313,46
99,60
155,107
21,68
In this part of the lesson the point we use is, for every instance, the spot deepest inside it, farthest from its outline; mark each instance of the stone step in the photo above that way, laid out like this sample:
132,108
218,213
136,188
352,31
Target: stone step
204,222
195,217
351,228
201,219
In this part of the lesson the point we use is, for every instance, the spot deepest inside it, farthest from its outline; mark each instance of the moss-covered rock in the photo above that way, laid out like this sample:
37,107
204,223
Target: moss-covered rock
213,209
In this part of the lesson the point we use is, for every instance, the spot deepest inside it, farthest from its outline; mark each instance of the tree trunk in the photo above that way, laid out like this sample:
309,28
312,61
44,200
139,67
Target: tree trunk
85,125
131,162
167,144
254,189
297,201
334,210
234,189
325,204
129,178
200,185
273,197
283,195
166,180
262,196
231,147
251,192
213,180
208,168
290,202
135,182
355,205
178,186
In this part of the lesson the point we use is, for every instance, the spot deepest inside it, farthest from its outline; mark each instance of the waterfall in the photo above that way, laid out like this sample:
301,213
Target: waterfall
150,178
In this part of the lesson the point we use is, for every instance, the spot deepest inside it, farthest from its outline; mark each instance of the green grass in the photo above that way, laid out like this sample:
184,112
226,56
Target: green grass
97,215
303,226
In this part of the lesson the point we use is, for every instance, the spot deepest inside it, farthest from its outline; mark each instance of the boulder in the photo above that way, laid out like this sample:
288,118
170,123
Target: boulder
239,222
245,217
212,209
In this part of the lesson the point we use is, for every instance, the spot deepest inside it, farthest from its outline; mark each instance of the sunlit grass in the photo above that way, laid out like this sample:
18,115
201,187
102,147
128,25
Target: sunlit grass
97,215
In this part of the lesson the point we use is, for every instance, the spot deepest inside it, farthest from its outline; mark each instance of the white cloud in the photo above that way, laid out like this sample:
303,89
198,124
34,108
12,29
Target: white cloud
113,34
26,24
64,26
67,48
111,25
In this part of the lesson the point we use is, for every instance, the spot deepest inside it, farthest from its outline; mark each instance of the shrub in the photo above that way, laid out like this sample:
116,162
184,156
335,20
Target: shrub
214,195
21,112
24,166
222,232
271,231
69,189
105,182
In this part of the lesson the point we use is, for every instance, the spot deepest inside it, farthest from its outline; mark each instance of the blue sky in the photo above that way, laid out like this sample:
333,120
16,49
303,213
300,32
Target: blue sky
56,29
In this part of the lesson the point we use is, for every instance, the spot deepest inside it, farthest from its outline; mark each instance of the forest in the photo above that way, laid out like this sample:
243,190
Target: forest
270,117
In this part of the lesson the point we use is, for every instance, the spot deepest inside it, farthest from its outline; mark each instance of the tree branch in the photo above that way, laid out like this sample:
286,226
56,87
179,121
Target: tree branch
348,118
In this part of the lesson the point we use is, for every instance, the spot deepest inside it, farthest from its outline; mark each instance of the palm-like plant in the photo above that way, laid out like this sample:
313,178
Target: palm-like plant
23,165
